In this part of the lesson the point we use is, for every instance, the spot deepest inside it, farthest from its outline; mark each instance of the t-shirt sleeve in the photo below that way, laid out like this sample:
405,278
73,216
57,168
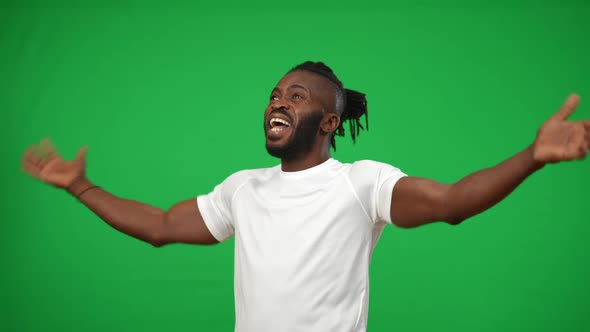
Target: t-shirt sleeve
373,183
216,207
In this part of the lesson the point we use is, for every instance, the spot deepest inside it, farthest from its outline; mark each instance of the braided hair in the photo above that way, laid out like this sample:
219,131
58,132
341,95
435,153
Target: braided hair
350,104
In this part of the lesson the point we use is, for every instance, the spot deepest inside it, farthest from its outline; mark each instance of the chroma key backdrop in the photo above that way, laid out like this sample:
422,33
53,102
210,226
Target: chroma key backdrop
169,97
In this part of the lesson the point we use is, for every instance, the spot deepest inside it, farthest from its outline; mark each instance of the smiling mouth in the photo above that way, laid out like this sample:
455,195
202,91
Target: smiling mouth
278,124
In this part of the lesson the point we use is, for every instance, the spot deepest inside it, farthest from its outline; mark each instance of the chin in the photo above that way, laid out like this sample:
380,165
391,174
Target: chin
280,148
277,150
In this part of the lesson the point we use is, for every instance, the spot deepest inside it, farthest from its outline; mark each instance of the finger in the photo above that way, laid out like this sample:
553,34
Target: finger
31,155
574,148
575,152
47,148
568,107
44,161
582,142
582,151
586,127
50,156
575,142
81,155
31,169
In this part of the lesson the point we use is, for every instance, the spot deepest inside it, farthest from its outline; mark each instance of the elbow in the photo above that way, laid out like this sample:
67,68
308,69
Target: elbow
451,213
453,218
156,244
157,238
156,241
454,221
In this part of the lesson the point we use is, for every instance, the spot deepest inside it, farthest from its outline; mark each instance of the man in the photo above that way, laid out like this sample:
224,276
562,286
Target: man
305,230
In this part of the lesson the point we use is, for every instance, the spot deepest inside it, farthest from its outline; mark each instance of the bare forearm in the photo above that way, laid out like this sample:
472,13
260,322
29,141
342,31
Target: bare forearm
133,218
483,189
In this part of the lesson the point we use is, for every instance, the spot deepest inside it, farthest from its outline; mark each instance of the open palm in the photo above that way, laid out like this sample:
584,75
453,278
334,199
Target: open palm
561,140
43,162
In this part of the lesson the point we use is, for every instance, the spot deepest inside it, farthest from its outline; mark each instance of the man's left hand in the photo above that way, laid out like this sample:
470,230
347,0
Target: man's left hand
561,140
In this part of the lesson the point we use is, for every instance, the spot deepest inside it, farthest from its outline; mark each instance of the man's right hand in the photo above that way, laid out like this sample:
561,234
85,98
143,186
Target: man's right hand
43,162
183,222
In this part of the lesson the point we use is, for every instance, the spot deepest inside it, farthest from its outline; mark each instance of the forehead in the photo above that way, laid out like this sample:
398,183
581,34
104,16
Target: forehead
315,83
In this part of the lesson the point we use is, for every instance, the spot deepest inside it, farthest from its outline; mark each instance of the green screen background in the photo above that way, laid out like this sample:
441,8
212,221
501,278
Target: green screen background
169,98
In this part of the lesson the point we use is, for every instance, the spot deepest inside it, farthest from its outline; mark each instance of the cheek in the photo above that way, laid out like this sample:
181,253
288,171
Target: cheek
267,110
303,112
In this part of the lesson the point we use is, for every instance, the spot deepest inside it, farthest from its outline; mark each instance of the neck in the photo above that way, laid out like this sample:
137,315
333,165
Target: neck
301,163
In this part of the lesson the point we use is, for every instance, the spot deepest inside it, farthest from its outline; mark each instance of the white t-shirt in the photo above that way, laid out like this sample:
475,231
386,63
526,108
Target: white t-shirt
303,242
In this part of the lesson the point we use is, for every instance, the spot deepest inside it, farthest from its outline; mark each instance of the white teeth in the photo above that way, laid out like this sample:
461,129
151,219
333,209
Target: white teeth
275,120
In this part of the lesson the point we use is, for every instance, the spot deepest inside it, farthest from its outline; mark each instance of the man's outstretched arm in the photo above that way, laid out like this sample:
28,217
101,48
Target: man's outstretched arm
418,201
181,223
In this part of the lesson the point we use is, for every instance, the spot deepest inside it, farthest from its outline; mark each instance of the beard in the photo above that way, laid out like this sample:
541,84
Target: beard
301,141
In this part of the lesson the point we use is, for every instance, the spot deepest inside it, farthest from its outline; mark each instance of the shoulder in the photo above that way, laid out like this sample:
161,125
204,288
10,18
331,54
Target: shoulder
371,168
372,183
369,175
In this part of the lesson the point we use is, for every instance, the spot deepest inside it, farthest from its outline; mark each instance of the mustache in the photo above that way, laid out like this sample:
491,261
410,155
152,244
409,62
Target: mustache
282,111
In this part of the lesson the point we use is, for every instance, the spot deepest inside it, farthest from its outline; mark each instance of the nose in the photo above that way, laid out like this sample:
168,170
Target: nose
278,104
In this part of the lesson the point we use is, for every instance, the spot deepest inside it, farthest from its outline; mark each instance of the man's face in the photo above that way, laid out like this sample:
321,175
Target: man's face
293,115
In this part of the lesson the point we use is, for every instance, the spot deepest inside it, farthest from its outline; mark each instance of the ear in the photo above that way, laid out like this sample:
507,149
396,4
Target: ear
329,123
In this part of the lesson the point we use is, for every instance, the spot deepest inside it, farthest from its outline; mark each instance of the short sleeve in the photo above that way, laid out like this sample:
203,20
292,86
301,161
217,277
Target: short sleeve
373,183
216,207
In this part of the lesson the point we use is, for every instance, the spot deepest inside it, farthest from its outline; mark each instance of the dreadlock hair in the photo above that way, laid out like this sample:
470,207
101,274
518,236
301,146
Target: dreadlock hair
350,104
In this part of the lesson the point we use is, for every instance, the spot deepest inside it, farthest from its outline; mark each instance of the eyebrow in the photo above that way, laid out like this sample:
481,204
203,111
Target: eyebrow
294,86
297,86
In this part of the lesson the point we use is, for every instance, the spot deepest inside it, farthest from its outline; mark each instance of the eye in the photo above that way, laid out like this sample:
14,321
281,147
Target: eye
274,97
297,96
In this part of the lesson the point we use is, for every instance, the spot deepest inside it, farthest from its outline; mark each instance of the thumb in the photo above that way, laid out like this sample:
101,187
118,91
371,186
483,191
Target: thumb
568,107
81,155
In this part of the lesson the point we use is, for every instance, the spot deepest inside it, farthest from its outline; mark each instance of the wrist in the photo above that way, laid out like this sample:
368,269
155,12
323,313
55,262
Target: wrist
535,162
78,185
